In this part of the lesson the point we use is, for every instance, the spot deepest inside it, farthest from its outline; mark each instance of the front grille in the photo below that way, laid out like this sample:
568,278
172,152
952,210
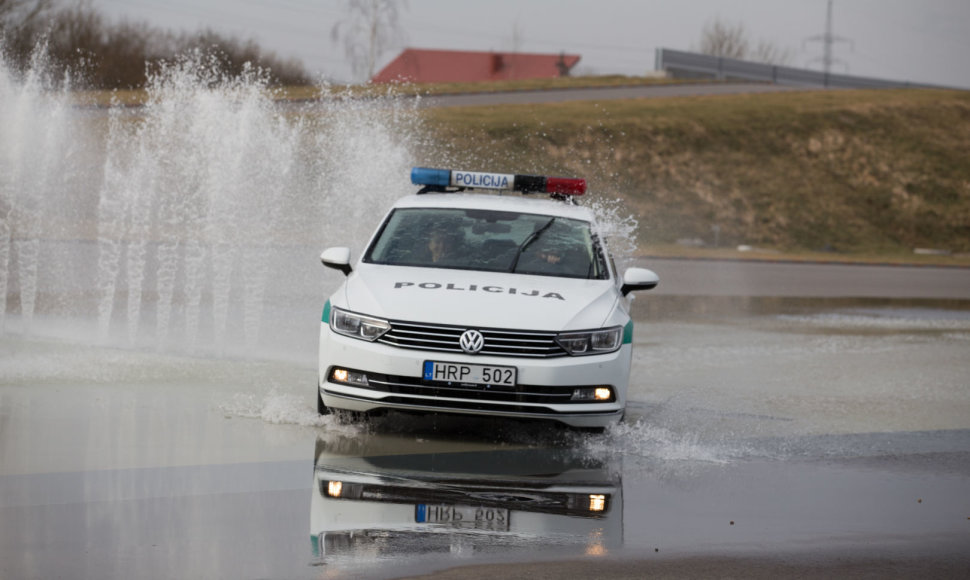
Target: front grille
498,342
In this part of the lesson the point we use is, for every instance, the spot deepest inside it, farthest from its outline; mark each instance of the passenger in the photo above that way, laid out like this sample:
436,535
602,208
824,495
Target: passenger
539,259
558,261
549,256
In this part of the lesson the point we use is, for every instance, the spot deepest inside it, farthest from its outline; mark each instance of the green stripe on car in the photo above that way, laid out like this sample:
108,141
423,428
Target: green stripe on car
627,333
326,312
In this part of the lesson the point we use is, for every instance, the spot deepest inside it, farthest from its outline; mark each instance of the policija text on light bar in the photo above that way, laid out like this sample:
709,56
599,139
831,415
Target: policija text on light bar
501,181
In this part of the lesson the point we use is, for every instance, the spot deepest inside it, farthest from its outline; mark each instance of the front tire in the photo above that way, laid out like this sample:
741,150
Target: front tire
342,416
345,417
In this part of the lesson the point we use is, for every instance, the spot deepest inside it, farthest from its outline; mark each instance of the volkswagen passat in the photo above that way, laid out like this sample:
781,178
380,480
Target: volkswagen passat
482,304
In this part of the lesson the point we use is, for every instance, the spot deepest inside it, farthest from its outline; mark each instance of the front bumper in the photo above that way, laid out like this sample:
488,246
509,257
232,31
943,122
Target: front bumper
543,390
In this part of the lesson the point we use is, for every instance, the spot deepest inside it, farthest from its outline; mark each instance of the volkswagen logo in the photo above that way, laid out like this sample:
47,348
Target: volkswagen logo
471,341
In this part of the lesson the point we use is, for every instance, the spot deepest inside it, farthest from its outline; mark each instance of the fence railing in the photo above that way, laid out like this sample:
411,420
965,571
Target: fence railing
678,63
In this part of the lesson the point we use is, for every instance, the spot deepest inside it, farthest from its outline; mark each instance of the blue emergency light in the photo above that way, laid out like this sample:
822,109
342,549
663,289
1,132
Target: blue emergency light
442,178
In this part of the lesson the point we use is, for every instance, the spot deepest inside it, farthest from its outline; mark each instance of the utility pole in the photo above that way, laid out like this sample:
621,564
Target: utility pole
828,39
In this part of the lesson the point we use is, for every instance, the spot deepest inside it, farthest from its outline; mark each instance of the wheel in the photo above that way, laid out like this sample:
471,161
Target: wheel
321,408
345,417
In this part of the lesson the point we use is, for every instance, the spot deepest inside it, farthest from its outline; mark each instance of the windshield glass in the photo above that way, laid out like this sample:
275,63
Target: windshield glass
489,240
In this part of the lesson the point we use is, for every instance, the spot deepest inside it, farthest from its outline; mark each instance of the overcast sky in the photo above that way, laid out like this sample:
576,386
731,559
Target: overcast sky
908,40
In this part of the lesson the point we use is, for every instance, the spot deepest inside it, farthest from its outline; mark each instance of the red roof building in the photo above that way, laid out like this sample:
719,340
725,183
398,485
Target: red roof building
462,66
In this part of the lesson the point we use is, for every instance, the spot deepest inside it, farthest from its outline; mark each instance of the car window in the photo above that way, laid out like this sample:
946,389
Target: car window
488,240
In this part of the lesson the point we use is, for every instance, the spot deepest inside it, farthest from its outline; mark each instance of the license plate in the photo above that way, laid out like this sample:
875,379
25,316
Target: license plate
463,516
475,374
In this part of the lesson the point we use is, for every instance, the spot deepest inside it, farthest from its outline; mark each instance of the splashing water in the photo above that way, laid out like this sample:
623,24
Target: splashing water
618,227
194,222
178,224
201,179
281,408
37,162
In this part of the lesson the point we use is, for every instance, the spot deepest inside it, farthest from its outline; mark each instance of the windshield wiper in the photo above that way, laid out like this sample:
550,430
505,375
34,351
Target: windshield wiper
532,237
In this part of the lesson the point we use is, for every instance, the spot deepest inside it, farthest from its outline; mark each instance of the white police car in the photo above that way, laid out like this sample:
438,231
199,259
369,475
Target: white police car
481,304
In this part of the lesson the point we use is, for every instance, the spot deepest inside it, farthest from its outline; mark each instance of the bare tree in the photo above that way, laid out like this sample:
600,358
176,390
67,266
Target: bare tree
720,38
100,54
370,29
234,54
770,53
14,13
19,22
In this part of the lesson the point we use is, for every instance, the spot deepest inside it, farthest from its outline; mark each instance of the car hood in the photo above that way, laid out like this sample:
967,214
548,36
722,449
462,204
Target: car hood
483,299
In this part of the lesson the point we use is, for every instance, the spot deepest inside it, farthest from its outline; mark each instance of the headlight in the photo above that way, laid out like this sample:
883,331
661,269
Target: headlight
592,342
357,325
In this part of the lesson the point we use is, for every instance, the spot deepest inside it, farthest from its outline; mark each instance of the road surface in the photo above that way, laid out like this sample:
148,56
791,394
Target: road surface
601,94
789,279
827,440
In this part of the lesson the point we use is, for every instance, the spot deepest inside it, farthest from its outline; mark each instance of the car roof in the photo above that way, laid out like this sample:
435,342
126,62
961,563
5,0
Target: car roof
513,202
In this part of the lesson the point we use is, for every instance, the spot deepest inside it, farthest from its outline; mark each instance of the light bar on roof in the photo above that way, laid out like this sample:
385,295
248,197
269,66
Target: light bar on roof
501,181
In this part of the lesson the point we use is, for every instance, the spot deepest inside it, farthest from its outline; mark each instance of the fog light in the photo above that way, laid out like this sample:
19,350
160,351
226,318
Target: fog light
597,503
341,490
593,394
350,377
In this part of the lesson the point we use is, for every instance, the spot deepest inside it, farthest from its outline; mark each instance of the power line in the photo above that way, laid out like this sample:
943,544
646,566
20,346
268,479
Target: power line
441,29
828,40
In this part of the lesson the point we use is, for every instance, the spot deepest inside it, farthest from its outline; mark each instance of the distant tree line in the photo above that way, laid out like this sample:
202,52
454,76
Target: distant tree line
730,40
106,55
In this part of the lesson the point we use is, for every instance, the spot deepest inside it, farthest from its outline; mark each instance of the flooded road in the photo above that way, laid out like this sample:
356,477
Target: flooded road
813,432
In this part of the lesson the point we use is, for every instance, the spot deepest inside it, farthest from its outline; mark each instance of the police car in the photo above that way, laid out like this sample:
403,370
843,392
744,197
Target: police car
480,303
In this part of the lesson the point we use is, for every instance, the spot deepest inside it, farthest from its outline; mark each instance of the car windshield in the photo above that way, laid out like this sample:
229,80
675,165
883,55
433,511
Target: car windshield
488,240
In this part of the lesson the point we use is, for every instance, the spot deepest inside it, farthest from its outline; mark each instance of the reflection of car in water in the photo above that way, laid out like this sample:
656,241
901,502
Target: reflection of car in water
472,502
483,305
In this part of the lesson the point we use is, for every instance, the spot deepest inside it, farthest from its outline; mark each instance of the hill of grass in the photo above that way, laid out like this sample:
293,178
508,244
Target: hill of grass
312,92
871,174
852,172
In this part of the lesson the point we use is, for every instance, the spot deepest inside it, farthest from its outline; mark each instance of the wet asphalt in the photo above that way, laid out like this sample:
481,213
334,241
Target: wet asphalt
810,438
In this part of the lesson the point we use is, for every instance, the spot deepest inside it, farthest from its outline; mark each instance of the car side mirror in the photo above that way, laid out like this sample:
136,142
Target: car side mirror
638,279
338,259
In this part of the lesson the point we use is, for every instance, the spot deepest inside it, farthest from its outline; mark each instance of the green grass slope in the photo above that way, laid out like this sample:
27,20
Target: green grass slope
856,172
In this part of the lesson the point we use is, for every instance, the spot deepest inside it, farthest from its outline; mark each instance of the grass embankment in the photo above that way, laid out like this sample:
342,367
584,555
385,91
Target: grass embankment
139,96
832,175
412,89
870,174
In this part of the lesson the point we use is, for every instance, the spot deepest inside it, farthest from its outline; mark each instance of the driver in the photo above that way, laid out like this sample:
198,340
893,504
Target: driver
442,245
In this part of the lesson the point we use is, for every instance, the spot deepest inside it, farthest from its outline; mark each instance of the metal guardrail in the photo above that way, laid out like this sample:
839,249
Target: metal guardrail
678,63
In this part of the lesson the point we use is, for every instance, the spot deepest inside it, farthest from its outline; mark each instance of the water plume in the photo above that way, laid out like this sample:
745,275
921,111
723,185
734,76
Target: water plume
36,163
184,219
